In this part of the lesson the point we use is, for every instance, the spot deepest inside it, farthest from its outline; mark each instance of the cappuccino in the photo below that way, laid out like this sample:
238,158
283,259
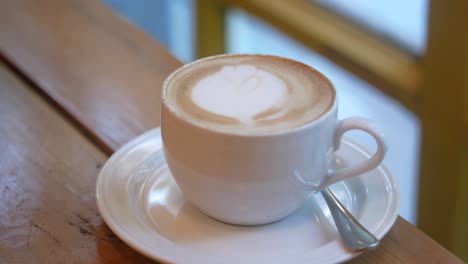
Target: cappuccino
248,94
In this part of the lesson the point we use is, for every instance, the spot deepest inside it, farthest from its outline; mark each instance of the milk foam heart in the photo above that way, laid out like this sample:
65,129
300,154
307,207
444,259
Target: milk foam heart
240,92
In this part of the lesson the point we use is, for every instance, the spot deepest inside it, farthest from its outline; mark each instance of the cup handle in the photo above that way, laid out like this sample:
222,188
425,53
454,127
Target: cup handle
365,125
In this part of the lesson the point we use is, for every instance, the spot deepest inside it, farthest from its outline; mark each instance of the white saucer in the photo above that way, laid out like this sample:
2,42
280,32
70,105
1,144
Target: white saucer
141,203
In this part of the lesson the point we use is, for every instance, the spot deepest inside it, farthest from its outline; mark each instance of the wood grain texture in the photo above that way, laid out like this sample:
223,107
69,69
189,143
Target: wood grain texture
48,170
99,68
108,76
406,244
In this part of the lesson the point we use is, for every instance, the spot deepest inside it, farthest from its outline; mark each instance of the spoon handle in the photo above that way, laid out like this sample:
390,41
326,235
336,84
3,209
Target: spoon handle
353,234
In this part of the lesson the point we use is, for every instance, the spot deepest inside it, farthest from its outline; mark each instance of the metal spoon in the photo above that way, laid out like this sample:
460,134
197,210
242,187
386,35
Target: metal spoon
353,234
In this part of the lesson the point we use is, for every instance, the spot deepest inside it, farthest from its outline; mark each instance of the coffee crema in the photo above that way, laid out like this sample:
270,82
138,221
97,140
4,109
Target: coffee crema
248,94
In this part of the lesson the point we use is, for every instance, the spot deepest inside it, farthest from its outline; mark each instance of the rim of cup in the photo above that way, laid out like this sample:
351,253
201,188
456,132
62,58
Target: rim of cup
329,111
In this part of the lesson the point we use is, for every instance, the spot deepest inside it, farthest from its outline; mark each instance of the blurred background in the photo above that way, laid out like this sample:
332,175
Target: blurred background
383,59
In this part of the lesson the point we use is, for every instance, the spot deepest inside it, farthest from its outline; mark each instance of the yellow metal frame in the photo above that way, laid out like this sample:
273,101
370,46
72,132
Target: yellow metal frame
210,28
443,183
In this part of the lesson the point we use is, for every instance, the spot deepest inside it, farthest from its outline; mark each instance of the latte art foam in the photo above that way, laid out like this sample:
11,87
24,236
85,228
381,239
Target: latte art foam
240,92
248,93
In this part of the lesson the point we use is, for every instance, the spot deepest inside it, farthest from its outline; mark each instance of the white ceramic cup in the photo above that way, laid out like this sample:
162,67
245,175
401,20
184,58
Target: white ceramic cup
257,179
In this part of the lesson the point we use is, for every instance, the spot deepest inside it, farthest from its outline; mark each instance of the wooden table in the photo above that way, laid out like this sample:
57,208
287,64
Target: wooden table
76,83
